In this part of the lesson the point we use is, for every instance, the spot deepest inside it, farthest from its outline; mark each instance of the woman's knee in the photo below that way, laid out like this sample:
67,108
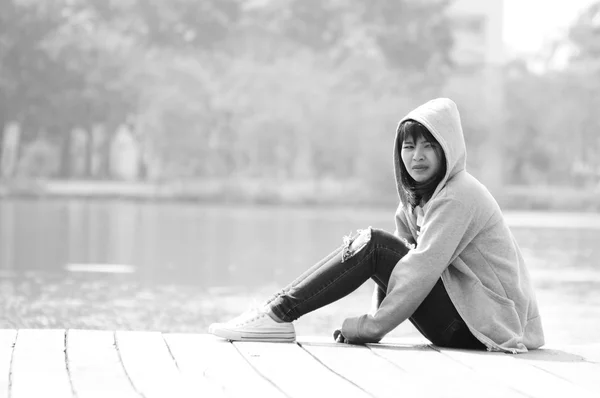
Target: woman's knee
384,238
356,243
381,236
373,237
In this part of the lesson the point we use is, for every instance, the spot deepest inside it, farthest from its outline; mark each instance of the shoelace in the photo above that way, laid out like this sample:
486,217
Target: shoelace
247,317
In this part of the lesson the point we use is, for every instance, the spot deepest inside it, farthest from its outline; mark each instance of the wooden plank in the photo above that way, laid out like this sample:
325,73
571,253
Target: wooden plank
295,371
423,364
573,368
149,365
7,342
372,373
521,376
95,366
194,355
153,365
220,363
39,368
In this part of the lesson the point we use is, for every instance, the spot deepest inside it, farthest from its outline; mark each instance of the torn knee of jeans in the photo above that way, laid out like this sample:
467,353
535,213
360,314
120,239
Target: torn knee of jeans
354,244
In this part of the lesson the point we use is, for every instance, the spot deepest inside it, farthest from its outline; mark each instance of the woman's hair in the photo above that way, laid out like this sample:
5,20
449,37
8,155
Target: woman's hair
412,191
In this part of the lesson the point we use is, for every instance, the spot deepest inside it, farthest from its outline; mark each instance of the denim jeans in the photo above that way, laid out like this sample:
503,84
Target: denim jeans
371,254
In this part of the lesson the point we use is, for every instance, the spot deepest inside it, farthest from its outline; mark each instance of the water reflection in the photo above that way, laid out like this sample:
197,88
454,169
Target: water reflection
213,245
178,243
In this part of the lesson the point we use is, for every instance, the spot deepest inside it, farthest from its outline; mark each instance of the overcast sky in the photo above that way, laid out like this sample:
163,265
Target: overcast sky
528,24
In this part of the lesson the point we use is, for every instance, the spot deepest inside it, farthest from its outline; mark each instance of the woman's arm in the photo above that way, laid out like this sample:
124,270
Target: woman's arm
444,234
402,227
376,299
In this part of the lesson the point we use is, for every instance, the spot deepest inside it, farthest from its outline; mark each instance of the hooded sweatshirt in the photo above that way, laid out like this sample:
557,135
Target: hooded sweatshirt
463,239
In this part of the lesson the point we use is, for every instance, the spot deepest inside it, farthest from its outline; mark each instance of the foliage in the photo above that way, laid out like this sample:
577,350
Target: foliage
585,35
220,88
288,89
39,159
553,123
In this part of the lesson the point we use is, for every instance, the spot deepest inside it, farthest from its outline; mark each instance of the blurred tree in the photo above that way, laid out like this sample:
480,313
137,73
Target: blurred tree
319,69
103,56
167,23
224,87
412,35
553,114
32,84
409,34
58,69
311,23
584,34
581,86
529,97
118,42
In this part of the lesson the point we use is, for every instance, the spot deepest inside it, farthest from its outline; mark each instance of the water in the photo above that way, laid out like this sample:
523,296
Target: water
177,267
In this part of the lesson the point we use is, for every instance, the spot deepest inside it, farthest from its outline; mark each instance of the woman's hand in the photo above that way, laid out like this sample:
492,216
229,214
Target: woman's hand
339,337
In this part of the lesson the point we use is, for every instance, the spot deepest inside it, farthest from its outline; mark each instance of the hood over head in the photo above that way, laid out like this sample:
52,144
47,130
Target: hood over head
440,116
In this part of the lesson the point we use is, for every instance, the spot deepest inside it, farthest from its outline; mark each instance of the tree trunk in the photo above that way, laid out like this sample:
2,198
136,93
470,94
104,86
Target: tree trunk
89,152
109,132
2,125
65,155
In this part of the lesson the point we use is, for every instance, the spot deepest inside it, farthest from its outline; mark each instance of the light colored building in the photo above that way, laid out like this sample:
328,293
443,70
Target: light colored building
125,156
478,30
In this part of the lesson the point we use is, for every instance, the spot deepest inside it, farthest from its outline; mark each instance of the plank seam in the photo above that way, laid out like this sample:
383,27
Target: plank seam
510,387
555,375
336,373
386,359
116,345
170,352
65,342
259,373
10,366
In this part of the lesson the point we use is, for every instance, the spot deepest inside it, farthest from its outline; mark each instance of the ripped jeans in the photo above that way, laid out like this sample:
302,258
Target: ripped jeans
371,253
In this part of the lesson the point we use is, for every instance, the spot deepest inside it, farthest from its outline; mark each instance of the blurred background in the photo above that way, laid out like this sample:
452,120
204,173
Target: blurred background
164,163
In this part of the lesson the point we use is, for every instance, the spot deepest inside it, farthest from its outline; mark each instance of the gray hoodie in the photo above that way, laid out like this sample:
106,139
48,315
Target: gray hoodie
464,239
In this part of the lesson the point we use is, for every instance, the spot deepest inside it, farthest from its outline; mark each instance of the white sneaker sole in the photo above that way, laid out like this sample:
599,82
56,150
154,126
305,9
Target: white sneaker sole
274,336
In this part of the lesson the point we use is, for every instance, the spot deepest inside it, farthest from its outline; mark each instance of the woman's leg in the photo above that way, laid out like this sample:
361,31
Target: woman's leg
304,275
371,253
437,319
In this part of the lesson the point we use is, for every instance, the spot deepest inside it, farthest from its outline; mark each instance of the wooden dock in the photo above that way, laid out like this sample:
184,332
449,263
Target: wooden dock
92,363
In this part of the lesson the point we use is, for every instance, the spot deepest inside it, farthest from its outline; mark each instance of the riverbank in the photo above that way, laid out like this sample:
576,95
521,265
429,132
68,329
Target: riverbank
269,191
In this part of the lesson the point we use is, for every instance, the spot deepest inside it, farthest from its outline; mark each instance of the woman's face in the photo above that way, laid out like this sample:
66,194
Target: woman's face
420,158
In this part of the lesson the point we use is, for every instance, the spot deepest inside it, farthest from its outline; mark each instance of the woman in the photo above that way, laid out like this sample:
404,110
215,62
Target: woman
452,267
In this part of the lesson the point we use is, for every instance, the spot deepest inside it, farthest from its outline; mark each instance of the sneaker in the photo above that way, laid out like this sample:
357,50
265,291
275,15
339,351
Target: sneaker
254,325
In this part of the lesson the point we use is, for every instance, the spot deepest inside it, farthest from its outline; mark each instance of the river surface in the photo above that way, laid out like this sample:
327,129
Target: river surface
176,267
